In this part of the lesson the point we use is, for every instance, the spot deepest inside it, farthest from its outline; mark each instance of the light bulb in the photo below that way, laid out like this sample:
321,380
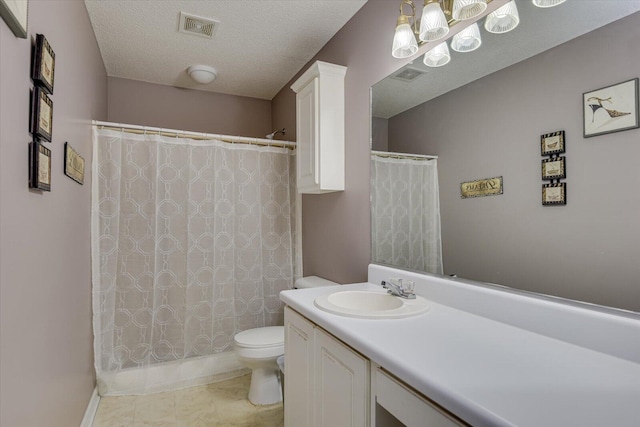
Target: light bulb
433,24
438,56
404,41
547,3
468,9
467,40
503,19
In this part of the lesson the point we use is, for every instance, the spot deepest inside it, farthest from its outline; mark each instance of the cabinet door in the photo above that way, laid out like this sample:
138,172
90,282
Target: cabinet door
342,384
298,366
307,138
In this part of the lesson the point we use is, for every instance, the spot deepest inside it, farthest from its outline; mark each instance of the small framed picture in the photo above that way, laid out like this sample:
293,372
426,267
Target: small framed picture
611,109
552,143
554,168
41,115
39,166
554,194
73,164
44,64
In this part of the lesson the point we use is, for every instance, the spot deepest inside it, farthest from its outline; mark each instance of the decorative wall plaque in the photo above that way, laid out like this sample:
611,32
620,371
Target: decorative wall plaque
73,164
552,143
481,188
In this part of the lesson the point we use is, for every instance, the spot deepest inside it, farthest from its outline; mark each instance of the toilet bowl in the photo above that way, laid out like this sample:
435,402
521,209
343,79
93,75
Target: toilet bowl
258,349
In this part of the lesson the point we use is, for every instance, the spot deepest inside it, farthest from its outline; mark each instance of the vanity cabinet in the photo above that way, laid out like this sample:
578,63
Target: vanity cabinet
320,128
327,383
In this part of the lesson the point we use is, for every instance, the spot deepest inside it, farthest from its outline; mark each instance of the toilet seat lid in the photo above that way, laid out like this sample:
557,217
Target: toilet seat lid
270,336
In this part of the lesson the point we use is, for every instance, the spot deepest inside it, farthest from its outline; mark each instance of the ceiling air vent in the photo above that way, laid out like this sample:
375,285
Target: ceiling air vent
197,25
408,74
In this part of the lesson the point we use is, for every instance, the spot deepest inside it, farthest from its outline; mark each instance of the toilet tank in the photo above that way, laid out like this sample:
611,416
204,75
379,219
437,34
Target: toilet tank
313,282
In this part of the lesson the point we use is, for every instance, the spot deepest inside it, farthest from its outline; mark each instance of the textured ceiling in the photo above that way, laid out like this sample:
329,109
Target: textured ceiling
258,47
539,30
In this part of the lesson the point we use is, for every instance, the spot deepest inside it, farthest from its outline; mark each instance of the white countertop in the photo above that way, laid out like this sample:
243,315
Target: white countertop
487,372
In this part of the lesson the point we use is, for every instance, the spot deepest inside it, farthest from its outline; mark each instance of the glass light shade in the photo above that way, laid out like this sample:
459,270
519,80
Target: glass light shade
433,24
503,19
467,40
404,42
547,3
468,9
438,56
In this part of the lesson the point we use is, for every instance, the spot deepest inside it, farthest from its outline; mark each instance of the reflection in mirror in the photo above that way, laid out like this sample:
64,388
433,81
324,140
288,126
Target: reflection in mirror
405,214
482,115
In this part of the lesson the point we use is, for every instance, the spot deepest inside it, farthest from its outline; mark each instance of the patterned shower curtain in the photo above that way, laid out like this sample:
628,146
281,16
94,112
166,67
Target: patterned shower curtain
405,213
191,243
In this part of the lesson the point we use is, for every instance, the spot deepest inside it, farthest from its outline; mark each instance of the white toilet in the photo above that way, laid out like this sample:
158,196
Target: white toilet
259,348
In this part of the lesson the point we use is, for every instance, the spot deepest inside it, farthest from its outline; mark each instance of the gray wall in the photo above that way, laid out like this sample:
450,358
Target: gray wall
586,250
335,226
148,104
379,134
46,356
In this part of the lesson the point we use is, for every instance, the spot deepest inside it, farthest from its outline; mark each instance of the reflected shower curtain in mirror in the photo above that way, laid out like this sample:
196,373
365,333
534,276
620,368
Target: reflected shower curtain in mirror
405,213
192,241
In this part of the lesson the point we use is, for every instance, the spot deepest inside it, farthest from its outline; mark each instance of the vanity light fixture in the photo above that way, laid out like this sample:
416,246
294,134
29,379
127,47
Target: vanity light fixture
503,19
437,18
467,40
438,56
547,3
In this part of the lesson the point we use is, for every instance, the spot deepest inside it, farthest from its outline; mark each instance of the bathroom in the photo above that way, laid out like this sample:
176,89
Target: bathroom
47,359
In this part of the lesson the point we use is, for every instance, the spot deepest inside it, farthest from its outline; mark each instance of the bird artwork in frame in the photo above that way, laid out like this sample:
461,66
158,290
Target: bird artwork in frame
611,109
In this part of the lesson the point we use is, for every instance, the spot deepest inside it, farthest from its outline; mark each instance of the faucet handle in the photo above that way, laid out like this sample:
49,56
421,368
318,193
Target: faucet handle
408,286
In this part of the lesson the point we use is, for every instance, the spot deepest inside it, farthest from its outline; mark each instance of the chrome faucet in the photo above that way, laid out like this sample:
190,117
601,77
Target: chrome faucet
400,290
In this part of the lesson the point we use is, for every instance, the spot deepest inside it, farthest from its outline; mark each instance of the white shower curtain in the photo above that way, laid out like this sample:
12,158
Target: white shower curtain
191,243
405,213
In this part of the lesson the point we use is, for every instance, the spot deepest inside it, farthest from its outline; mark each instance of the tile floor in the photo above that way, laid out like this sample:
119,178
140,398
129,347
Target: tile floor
220,404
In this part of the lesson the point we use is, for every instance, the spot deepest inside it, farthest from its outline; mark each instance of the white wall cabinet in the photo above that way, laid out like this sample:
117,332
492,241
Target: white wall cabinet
320,128
326,382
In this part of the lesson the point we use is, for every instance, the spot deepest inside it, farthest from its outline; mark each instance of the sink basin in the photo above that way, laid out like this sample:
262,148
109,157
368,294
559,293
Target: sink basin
371,305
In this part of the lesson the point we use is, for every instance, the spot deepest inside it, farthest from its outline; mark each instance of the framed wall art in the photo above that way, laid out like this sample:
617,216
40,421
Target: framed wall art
552,143
44,61
14,13
611,109
554,194
41,114
554,168
39,166
73,164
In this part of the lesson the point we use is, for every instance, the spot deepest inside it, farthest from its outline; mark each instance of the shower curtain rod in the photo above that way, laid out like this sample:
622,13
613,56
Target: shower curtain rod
173,133
391,155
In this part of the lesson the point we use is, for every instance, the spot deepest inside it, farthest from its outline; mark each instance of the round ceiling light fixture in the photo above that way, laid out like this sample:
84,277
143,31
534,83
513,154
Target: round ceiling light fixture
202,74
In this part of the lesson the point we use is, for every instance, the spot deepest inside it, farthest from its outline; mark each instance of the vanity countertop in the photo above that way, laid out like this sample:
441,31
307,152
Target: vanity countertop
487,372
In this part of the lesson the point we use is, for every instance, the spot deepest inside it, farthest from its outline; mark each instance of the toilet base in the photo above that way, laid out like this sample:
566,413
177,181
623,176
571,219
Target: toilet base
265,387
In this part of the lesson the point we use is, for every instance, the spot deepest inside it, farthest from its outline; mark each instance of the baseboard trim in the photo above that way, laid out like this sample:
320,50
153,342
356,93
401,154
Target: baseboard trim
92,408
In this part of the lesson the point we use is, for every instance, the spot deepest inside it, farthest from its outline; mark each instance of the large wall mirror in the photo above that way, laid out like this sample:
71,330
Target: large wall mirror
482,116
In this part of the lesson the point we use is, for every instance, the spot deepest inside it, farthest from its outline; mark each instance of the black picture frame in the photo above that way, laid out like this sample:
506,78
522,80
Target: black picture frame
73,164
552,143
554,194
41,115
554,168
44,64
611,109
39,166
